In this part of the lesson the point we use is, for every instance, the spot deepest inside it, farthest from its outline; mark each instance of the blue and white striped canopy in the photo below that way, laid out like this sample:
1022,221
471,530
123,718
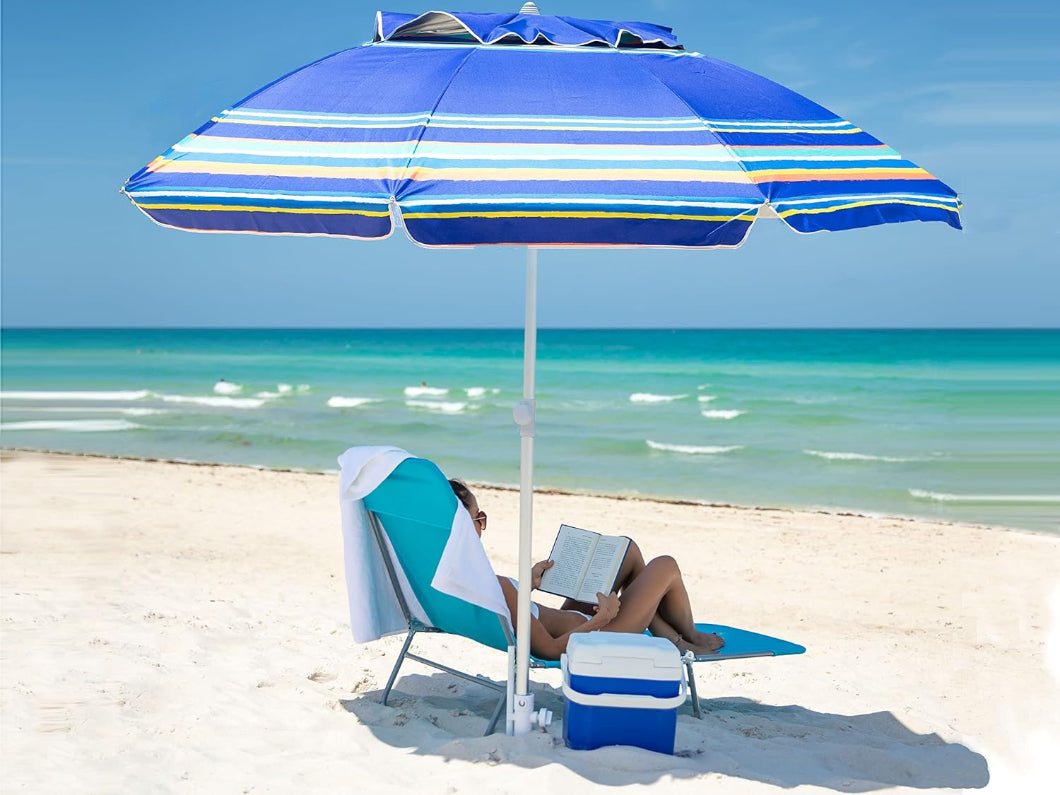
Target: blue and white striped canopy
478,129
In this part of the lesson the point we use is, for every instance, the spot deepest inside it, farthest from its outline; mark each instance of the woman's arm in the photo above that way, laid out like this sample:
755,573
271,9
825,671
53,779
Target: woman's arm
548,645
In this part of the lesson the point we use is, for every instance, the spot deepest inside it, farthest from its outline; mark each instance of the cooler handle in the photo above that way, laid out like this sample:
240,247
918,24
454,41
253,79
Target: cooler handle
622,699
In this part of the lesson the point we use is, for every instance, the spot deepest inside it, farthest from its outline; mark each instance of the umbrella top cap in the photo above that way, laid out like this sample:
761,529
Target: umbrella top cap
528,27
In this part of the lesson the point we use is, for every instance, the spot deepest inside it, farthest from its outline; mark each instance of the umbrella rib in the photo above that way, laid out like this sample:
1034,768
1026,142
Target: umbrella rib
419,139
706,124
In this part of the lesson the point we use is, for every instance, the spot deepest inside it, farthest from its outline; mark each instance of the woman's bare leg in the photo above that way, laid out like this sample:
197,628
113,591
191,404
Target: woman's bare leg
658,597
632,566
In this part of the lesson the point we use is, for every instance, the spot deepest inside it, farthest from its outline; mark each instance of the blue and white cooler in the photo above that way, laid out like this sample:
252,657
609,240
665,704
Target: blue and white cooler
621,689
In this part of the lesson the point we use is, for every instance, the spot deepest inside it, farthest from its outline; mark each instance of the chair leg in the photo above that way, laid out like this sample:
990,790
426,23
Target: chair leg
496,716
397,665
696,710
498,710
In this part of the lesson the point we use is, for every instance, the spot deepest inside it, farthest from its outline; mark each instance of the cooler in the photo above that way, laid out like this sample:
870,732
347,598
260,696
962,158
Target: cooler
621,689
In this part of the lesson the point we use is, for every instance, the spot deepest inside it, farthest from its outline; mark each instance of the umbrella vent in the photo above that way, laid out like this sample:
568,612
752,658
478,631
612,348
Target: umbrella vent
509,30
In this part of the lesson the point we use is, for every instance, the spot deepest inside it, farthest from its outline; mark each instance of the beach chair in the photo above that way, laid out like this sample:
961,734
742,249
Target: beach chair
413,510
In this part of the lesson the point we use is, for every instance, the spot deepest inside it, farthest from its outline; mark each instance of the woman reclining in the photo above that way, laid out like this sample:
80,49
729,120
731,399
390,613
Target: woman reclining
649,596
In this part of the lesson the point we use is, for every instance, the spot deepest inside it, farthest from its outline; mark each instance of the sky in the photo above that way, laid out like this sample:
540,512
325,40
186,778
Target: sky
93,91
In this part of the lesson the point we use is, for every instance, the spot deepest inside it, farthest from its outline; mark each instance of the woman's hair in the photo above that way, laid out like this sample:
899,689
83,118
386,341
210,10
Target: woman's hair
462,492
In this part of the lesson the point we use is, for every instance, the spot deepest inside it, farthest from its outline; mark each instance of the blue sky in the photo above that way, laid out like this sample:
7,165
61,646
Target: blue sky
93,91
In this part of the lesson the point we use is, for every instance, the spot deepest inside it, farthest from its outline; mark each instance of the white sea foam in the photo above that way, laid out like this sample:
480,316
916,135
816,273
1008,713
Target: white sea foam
856,457
76,426
722,414
706,398
131,412
425,391
693,449
340,402
475,391
648,397
216,402
440,406
223,387
281,390
138,394
300,387
1035,499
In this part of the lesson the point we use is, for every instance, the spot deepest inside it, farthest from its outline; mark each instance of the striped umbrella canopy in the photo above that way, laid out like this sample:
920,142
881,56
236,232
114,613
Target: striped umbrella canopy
477,129
525,129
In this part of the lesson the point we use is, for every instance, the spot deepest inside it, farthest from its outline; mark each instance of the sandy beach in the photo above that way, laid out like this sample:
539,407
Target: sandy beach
174,627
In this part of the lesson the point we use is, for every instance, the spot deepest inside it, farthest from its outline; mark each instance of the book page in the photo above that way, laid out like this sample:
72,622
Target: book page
571,553
603,567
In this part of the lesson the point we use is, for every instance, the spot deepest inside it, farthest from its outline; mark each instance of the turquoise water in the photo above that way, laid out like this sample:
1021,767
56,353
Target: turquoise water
961,425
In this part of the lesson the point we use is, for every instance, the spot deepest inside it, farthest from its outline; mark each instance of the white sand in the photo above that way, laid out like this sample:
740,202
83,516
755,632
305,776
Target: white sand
183,628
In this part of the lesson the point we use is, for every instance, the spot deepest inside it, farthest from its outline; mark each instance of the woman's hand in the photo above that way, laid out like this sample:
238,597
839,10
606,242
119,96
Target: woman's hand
538,570
608,606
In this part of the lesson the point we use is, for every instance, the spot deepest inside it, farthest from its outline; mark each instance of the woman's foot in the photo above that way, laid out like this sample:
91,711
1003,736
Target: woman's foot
709,640
705,643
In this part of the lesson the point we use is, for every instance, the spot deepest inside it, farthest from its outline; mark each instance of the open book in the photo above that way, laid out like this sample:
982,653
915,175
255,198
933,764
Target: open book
585,562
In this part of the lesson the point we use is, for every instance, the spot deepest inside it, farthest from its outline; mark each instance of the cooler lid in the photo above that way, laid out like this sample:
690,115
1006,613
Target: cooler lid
622,655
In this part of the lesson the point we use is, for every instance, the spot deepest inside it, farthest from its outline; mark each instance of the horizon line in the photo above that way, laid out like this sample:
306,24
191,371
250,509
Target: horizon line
4,328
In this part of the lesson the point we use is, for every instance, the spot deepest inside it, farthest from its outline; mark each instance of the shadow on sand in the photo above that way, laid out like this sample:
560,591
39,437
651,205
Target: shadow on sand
785,746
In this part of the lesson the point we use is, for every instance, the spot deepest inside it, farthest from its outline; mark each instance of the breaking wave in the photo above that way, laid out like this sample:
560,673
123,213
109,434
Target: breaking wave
138,394
425,391
857,457
722,414
128,411
693,449
76,426
339,402
481,391
1027,499
216,402
223,387
439,406
648,397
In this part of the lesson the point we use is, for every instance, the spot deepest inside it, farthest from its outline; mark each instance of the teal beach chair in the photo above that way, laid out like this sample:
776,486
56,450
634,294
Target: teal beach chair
414,508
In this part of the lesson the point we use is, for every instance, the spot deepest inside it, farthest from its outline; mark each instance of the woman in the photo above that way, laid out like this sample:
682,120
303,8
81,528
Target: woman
653,597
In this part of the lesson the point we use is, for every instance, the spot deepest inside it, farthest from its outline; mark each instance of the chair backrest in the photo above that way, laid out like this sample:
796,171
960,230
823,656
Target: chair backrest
415,505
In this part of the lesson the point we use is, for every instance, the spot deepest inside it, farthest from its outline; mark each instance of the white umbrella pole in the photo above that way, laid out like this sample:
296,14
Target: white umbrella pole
521,712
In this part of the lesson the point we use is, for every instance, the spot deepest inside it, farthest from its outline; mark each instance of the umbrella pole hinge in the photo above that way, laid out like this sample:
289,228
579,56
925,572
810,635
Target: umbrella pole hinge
524,414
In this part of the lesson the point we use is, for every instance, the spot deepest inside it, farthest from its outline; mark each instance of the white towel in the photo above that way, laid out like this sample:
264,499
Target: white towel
464,571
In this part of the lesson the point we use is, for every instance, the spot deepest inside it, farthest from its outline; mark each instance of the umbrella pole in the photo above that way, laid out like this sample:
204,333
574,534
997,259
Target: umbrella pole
521,712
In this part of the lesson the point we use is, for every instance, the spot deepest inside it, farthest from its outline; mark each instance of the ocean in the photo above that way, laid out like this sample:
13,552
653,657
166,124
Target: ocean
953,425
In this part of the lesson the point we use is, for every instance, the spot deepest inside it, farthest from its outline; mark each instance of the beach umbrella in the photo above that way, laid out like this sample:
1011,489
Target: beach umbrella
471,129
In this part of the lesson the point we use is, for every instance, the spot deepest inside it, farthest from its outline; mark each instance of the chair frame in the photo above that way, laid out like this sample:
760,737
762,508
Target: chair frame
415,626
